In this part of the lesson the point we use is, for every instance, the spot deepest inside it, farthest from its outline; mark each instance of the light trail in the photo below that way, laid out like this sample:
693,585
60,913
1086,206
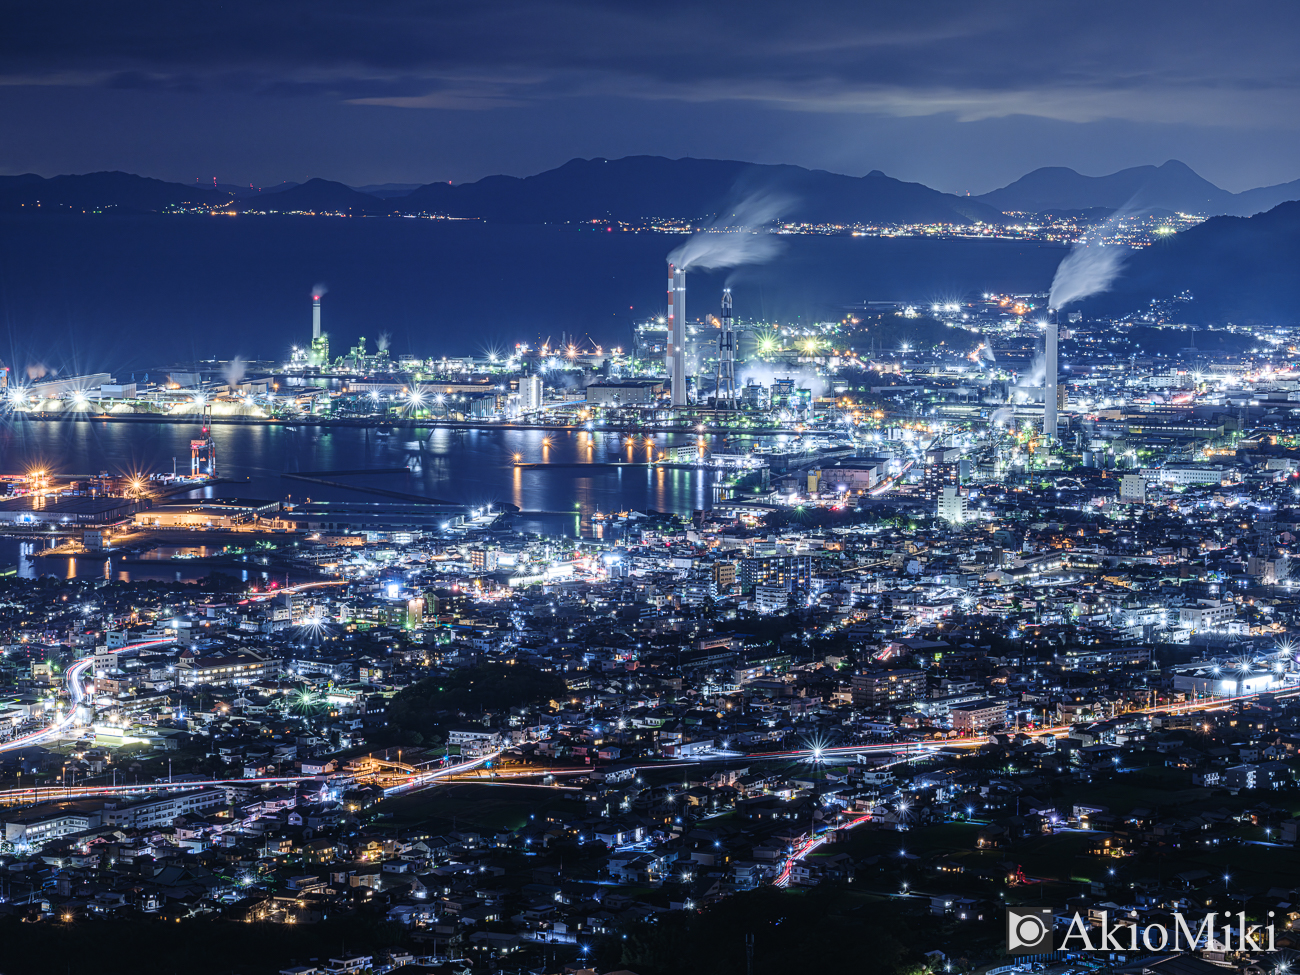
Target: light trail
516,785
422,779
810,845
889,482
271,594
45,793
76,694
917,748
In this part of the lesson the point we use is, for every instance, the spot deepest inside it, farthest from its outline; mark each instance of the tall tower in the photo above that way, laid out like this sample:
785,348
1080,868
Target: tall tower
1050,383
676,351
725,387
669,348
320,344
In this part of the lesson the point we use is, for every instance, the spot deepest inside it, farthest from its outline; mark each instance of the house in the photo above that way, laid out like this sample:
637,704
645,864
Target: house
1265,775
350,965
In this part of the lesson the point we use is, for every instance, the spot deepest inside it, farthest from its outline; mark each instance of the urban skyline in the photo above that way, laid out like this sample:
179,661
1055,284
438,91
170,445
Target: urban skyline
561,488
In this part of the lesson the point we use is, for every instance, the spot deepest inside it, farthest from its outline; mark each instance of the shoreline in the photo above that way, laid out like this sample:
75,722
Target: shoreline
404,423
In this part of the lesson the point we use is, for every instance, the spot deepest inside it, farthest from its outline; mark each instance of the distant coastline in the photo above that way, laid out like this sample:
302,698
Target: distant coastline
403,423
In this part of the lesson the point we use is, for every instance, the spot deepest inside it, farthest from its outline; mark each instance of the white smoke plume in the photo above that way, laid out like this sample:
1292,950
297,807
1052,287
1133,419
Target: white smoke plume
234,371
381,343
1088,269
1092,264
1037,372
740,237
319,289
766,374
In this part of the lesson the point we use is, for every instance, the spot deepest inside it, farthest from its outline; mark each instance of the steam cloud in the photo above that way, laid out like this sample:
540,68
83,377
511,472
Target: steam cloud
1091,266
1034,380
766,375
234,371
381,343
36,370
732,242
319,289
1087,270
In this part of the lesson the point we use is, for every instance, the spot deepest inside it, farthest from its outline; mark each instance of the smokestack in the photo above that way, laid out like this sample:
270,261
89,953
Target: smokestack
672,322
679,350
725,385
1049,383
315,317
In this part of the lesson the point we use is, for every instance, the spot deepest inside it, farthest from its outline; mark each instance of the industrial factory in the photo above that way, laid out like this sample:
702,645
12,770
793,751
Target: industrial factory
881,379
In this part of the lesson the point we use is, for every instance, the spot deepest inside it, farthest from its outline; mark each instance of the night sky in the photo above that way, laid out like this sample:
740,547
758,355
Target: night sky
964,96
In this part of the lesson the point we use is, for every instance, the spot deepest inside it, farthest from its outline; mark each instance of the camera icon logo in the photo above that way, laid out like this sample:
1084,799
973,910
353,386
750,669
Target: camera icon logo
1029,930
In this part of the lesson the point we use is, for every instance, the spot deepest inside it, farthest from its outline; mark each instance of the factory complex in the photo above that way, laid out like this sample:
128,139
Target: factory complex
964,605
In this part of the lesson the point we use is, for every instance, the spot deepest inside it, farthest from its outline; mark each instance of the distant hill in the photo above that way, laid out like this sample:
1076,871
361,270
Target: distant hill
11,182
637,188
100,191
640,187
314,196
1266,197
1238,269
388,190
1172,186
239,191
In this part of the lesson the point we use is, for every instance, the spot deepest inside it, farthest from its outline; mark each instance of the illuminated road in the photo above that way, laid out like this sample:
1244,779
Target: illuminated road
422,779
77,691
916,749
76,694
811,843
47,793
890,481
272,593
809,846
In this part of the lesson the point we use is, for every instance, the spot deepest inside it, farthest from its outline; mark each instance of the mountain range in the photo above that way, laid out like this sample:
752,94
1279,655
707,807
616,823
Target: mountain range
639,188
1172,186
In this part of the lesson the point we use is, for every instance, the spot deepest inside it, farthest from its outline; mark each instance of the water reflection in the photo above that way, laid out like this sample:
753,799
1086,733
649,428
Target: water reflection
476,467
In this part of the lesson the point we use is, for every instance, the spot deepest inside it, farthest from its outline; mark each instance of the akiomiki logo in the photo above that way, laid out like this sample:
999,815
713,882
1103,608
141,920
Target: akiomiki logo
1031,931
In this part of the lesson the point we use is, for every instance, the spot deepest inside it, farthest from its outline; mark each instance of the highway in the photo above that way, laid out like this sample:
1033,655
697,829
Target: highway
72,680
815,840
915,749
77,692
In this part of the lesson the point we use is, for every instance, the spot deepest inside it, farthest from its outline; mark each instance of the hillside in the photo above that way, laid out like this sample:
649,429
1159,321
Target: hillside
640,188
1172,186
316,196
637,188
1238,269
123,192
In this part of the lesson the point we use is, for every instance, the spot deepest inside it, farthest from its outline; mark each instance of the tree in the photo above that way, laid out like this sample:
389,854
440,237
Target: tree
792,932
423,706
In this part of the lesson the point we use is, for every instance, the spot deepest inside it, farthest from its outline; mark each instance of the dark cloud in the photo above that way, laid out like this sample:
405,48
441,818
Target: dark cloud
1202,67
